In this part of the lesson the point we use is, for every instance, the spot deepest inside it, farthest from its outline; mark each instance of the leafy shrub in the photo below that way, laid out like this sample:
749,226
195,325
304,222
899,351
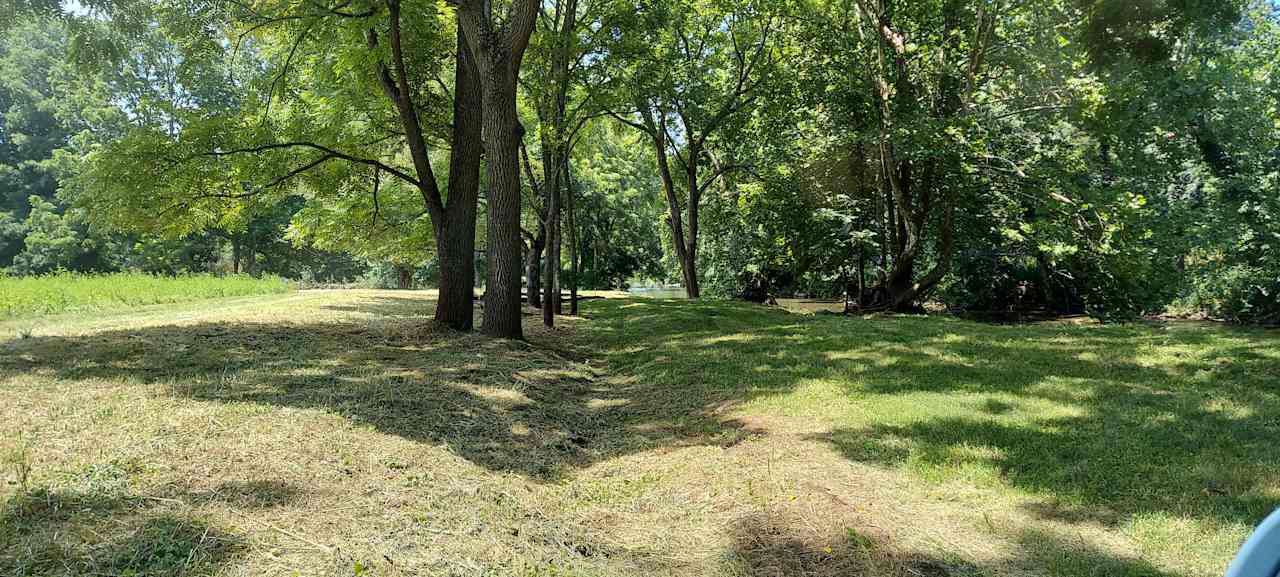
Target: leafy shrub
994,282
1239,293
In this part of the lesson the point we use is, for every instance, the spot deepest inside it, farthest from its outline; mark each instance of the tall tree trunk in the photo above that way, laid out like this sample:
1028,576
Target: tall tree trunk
502,169
455,249
552,114
571,202
453,219
556,287
251,258
692,288
696,130
862,275
910,197
499,49
657,130
456,234
904,298
551,264
533,260
554,252
685,247
533,267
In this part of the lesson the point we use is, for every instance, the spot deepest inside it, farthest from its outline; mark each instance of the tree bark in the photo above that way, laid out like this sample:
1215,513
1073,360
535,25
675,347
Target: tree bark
685,241
455,242
502,144
903,299
498,51
552,115
909,198
453,221
251,258
456,232
657,130
533,267
551,264
533,259
692,288
573,240
862,275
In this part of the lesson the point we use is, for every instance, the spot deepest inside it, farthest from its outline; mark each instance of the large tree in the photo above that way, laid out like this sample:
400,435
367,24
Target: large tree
336,101
498,35
453,217
704,67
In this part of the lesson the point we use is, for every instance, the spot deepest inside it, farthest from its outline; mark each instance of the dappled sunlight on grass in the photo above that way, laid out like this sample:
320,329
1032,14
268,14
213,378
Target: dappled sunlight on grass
308,432
735,338
1138,420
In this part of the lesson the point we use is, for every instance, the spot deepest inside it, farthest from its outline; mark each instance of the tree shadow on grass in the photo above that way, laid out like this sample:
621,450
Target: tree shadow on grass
1113,420
1194,437
1190,436
389,306
773,545
73,533
507,406
253,494
1040,551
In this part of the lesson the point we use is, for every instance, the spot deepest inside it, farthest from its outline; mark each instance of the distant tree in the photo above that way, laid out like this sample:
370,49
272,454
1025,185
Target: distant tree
701,65
31,59
619,208
51,242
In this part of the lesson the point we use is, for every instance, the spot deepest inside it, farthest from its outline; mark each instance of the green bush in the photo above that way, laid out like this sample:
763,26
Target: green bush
1239,293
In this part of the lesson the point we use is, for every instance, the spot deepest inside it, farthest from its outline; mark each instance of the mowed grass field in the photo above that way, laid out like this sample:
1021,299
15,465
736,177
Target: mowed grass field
32,296
336,433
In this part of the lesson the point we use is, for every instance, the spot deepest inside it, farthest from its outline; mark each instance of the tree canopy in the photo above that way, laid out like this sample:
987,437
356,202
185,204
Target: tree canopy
1072,156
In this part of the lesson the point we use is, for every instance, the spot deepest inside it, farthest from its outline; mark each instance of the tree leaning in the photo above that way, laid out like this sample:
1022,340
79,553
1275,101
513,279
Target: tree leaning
453,219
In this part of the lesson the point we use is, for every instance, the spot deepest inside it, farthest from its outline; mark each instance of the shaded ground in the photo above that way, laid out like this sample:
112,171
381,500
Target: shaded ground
336,433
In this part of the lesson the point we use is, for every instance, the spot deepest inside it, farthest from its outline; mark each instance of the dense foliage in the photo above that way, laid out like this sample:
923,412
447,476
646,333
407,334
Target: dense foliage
1065,156
55,112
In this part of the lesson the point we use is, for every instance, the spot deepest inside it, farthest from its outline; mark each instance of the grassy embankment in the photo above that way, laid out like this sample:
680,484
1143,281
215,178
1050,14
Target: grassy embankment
329,433
69,292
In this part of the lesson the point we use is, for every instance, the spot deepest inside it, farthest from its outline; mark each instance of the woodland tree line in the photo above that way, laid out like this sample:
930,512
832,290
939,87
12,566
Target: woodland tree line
1109,157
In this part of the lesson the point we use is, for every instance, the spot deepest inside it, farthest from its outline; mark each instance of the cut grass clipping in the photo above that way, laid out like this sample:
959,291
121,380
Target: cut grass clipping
334,433
70,292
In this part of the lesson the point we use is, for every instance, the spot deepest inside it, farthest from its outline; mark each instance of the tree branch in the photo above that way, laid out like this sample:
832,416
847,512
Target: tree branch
313,146
631,123
398,92
723,171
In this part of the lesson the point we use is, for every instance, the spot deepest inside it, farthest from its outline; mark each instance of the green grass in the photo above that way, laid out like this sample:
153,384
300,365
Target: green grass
71,292
336,433
1161,439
